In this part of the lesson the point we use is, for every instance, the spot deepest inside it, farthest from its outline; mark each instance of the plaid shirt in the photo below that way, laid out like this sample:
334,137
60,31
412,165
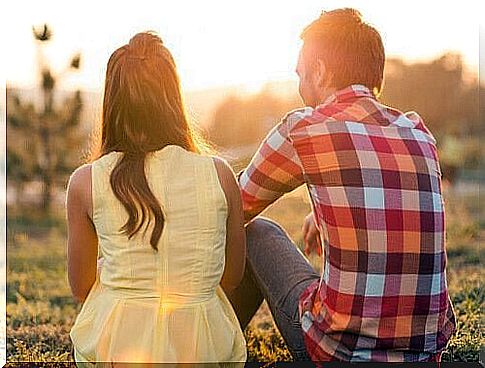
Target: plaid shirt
375,185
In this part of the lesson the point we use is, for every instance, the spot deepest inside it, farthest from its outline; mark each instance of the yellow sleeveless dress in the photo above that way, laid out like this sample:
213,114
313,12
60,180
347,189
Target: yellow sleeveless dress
164,306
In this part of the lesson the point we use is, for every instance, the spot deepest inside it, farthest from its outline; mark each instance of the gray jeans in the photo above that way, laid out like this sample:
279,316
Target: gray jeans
277,271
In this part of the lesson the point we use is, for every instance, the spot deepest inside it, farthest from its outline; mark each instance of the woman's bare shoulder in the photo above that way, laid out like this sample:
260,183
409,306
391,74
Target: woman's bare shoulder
80,181
82,175
227,179
224,170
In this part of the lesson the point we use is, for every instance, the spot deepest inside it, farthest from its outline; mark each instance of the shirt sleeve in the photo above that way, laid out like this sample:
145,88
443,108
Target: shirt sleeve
274,170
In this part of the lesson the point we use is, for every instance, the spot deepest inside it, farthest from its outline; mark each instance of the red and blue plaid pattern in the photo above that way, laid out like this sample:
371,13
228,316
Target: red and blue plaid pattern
375,183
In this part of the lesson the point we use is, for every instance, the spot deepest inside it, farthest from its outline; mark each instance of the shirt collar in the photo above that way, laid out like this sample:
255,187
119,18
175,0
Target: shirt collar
348,93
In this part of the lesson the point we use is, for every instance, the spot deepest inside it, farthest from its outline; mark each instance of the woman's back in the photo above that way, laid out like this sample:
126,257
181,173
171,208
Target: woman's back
190,255
165,305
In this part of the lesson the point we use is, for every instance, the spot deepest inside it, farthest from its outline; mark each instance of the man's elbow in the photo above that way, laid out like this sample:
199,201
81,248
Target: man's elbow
251,208
248,217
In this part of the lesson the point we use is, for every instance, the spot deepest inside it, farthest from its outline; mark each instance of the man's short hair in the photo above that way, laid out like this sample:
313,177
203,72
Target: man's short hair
351,49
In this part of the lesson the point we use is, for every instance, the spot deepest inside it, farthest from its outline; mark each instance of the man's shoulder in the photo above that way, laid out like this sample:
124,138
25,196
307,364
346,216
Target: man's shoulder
295,116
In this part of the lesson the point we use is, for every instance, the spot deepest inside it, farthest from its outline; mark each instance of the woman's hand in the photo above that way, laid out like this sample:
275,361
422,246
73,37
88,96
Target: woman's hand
311,236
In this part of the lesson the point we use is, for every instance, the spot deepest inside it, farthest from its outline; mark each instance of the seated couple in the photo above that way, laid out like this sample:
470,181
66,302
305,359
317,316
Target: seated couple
184,259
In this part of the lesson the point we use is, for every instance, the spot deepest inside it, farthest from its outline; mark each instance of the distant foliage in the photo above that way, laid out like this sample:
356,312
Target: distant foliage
438,90
42,141
245,121
448,101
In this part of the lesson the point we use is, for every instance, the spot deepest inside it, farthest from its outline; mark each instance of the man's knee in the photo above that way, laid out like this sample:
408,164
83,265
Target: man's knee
261,228
262,233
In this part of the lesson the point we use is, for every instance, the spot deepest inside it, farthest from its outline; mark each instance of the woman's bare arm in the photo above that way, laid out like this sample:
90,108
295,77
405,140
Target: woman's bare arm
235,233
82,244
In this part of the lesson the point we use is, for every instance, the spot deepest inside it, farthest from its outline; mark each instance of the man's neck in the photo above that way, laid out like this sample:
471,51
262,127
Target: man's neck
324,94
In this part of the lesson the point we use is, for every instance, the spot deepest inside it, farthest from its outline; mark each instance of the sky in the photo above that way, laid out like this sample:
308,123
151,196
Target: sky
219,43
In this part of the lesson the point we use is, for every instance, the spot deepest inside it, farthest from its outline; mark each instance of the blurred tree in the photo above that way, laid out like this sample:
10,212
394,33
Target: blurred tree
245,121
41,142
433,89
440,92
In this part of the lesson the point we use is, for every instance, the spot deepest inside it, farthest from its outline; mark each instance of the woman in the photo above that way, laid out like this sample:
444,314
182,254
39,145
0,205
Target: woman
166,220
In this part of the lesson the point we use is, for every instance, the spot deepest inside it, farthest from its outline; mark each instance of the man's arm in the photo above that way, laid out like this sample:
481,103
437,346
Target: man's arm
274,170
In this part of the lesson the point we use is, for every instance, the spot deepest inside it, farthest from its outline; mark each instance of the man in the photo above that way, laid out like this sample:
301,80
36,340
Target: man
374,181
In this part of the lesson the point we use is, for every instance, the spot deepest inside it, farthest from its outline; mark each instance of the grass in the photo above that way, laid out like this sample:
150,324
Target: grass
40,310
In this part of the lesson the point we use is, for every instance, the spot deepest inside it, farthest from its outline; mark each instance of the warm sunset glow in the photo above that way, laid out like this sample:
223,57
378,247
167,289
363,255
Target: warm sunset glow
153,223
225,43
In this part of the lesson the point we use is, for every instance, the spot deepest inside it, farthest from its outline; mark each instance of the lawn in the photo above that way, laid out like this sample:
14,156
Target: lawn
40,310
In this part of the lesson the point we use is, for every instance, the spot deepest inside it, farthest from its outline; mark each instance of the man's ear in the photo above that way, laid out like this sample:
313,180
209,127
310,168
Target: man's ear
323,78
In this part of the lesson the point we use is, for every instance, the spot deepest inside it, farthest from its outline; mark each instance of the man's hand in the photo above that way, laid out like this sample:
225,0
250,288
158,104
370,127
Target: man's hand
311,236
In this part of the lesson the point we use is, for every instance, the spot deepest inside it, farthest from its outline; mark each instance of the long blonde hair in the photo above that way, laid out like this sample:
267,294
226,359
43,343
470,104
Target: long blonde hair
143,112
